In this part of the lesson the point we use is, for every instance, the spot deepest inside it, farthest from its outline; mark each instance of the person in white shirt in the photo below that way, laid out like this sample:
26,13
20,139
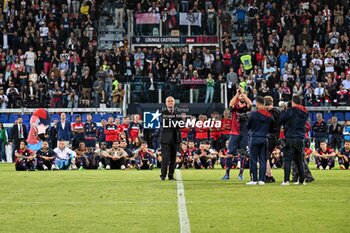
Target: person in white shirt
319,91
65,157
317,62
44,30
346,82
329,63
30,59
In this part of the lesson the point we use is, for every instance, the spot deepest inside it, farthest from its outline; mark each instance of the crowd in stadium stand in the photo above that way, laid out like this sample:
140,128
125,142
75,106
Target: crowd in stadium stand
49,53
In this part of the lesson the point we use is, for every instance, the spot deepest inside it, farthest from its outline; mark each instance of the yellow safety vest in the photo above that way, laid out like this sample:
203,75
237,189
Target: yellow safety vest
247,62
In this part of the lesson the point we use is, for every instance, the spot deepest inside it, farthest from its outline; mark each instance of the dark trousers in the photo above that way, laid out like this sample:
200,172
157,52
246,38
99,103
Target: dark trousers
2,150
168,159
336,141
307,172
41,162
258,147
116,164
25,165
294,151
342,161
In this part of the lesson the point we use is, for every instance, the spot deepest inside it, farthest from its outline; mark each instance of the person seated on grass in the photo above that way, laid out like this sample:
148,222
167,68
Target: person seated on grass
24,158
344,156
103,154
46,158
65,157
129,159
276,158
223,155
324,156
116,158
93,158
192,147
144,157
81,159
202,157
184,157
212,151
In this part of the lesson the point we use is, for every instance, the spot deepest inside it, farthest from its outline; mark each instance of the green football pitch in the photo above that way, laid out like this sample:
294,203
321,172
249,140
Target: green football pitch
137,201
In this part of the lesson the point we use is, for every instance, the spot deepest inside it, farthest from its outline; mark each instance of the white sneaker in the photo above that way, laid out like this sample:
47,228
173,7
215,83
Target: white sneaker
285,183
296,183
252,183
122,167
100,166
74,167
274,166
261,183
45,168
327,168
321,168
108,167
54,167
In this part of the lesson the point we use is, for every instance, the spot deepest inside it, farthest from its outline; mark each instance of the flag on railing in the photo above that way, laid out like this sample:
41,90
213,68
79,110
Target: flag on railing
193,19
147,18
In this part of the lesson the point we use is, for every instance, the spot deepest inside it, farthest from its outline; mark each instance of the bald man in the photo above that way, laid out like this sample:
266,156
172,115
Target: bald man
170,137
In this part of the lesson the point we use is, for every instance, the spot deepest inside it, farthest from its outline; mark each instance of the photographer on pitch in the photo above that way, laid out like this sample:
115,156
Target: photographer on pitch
293,119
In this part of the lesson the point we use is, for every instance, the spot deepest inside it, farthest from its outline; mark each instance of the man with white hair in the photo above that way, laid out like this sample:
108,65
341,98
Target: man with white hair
65,157
170,137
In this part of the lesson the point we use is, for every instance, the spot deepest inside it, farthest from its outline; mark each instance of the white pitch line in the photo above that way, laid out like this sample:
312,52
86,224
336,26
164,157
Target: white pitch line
183,216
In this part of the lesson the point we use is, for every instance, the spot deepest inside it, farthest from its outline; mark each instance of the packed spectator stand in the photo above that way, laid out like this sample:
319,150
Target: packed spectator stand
56,54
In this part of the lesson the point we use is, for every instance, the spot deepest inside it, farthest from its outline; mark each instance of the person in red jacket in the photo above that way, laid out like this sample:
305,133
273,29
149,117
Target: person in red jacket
184,131
135,128
201,132
111,132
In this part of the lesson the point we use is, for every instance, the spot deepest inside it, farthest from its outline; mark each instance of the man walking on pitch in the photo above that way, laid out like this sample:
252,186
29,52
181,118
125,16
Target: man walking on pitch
170,137
259,125
293,119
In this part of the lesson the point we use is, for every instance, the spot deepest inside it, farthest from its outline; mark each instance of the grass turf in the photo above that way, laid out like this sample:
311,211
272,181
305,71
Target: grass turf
137,201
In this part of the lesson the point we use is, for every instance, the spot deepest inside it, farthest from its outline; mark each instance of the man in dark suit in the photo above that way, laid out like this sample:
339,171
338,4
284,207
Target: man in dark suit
18,134
170,137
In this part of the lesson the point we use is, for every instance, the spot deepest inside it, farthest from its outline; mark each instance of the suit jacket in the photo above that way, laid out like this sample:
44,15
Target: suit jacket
65,133
169,135
15,133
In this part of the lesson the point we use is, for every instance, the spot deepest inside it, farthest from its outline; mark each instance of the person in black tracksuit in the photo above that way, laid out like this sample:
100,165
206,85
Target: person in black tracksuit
259,125
320,130
293,119
273,136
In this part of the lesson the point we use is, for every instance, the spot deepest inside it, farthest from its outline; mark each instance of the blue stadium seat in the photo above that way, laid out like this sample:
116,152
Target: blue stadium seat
327,116
105,116
26,118
96,117
55,117
340,116
313,116
83,117
13,118
69,117
347,116
4,118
